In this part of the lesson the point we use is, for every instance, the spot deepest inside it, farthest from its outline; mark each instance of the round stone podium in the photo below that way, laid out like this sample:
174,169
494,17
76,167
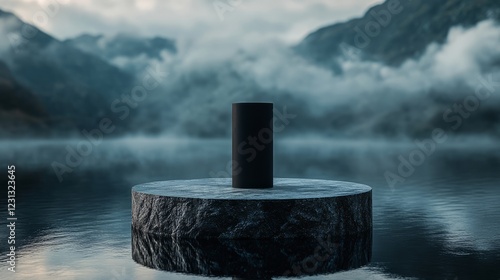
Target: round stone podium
211,208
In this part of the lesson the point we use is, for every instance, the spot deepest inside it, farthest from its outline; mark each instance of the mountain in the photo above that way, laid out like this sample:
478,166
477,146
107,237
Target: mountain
129,52
395,30
74,87
20,111
420,72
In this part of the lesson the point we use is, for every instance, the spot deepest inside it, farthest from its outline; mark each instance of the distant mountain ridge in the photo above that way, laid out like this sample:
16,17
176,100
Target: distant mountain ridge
398,85
128,52
405,35
20,111
73,86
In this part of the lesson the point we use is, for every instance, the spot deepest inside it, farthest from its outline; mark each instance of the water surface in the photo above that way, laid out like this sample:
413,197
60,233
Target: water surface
442,222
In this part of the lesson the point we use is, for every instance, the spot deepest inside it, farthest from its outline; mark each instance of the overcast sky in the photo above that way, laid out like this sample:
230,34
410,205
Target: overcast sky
286,20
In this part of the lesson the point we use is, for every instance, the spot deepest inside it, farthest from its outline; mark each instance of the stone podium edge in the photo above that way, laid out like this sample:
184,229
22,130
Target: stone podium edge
200,218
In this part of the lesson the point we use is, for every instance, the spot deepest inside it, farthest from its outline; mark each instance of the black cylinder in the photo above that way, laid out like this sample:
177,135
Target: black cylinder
252,145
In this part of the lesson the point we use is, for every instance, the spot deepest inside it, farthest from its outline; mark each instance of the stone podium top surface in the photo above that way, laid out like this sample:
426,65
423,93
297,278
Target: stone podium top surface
220,188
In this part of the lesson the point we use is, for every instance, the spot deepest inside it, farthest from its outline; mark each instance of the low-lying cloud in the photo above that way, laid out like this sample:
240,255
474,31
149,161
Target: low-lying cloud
208,75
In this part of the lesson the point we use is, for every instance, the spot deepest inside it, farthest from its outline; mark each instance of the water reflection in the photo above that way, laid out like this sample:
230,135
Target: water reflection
252,259
441,223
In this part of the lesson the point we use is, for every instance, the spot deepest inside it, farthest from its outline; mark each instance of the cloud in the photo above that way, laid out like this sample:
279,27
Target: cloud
248,57
371,94
7,25
287,20
468,50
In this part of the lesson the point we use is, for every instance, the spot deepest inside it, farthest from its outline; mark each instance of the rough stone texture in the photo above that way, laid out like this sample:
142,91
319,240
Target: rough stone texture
211,208
252,259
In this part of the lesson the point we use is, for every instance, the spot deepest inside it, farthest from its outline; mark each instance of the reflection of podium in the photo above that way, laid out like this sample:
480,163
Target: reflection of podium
254,259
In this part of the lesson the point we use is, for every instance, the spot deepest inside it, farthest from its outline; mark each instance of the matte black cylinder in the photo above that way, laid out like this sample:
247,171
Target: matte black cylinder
252,145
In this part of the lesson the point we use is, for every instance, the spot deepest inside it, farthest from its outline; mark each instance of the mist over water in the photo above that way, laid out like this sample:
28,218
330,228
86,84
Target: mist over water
152,154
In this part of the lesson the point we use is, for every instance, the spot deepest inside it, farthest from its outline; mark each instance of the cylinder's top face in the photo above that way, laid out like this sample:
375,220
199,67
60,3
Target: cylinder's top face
247,114
284,189
252,103
252,145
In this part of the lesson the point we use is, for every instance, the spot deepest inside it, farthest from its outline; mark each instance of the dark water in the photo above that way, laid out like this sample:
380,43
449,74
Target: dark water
442,222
